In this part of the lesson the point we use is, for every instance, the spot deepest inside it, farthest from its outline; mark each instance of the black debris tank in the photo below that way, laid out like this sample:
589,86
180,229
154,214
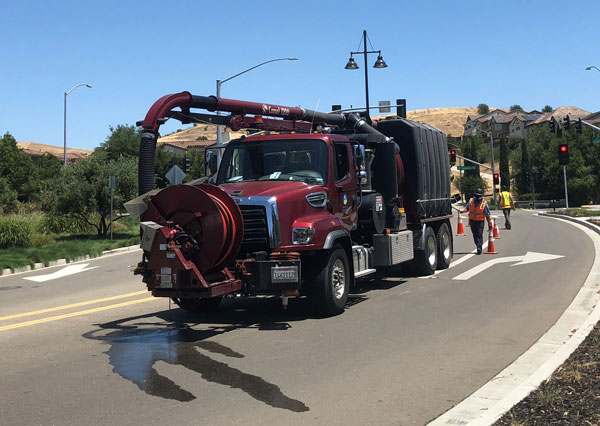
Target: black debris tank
424,152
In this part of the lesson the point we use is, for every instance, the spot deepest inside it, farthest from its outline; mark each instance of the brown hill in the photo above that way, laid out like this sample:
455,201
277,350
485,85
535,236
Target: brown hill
448,120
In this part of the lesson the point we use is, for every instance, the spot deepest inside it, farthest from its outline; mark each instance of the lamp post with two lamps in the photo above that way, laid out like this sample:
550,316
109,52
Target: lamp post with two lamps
65,119
379,63
219,144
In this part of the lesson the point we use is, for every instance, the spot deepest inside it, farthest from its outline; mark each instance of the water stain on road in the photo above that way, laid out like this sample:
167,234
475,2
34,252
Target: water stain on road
136,349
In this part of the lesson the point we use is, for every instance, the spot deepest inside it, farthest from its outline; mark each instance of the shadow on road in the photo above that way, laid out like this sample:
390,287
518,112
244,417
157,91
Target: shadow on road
181,338
178,338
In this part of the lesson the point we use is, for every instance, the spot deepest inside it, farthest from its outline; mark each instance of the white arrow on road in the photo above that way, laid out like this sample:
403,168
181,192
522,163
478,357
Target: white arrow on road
69,270
529,257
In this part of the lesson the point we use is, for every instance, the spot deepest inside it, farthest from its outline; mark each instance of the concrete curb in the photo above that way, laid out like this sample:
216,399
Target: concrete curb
60,262
486,405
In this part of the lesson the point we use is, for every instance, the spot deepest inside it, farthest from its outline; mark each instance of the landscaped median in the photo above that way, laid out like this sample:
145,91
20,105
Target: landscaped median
27,241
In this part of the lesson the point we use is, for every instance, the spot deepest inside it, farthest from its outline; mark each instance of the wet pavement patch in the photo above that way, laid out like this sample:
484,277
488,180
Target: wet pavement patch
134,351
11,287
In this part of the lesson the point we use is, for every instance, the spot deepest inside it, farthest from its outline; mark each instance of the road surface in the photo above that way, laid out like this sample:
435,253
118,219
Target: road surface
93,348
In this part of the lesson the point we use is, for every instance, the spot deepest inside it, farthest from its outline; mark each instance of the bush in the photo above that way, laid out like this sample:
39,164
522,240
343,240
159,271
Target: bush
56,224
16,231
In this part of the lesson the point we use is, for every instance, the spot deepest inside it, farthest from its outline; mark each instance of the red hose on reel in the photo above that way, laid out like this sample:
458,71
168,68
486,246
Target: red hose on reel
208,215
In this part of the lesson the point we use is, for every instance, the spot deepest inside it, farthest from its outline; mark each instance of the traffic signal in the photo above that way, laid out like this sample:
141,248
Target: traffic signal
567,123
552,126
563,154
187,162
578,127
452,156
496,179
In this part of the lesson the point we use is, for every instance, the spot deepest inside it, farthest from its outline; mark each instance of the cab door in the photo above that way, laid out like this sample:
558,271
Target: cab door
345,185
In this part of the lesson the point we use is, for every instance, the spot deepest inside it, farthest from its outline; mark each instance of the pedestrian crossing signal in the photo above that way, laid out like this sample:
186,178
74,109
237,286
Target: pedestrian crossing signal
563,154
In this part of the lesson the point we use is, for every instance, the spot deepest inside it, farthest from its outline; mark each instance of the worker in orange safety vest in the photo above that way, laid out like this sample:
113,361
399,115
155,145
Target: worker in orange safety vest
478,213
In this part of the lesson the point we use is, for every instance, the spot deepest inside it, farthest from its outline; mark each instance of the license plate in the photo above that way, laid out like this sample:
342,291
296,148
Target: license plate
284,274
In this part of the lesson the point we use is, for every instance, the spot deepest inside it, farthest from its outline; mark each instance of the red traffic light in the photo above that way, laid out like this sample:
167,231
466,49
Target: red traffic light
496,178
452,152
563,148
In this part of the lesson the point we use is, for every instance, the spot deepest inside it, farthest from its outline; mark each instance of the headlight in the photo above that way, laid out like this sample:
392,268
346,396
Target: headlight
302,235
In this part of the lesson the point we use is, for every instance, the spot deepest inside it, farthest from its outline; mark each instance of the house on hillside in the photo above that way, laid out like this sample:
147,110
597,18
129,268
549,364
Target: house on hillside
557,115
518,125
473,124
197,137
593,118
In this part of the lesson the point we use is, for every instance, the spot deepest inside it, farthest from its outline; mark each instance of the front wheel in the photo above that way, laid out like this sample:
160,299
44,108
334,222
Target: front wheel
330,286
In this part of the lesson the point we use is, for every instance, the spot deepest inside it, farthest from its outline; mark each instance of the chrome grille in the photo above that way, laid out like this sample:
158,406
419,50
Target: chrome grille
256,234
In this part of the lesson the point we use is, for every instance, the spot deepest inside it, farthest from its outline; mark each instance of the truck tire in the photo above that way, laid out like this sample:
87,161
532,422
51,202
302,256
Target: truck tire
444,246
331,283
197,304
426,260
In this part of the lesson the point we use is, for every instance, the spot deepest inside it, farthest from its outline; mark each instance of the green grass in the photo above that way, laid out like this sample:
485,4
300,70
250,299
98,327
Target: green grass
575,212
71,246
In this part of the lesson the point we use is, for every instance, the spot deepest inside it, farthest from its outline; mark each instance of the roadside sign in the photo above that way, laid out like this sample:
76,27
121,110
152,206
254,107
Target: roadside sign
596,141
112,182
466,167
175,175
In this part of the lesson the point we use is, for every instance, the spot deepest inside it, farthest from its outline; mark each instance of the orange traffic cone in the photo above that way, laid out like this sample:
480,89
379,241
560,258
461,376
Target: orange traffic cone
491,249
496,231
460,229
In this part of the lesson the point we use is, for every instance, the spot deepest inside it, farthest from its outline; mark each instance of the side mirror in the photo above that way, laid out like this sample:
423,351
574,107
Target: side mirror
359,163
211,162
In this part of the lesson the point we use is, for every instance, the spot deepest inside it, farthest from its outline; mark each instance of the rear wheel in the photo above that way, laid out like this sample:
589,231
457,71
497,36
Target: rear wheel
444,246
426,260
197,304
331,284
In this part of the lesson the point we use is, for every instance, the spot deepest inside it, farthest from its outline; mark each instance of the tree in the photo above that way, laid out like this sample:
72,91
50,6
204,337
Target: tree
16,168
83,191
504,165
547,108
523,182
515,108
124,140
482,109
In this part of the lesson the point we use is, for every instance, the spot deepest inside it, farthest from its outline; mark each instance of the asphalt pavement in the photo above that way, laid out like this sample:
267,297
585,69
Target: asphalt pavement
92,347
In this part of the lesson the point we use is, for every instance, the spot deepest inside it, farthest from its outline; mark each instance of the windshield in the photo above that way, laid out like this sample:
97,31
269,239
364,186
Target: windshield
284,160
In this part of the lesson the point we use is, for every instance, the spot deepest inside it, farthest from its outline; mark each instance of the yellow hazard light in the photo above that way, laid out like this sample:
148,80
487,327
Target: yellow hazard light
387,231
401,209
292,132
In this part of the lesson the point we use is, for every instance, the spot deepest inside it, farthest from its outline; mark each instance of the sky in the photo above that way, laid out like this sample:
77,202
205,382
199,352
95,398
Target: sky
439,53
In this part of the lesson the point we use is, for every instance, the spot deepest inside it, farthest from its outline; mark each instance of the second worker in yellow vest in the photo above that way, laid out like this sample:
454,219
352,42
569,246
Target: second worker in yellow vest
507,204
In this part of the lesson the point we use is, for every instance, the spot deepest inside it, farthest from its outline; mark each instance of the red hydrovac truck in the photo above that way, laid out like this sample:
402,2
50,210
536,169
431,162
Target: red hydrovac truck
308,205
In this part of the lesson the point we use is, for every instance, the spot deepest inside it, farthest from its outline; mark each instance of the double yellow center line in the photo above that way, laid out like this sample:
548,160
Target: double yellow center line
73,314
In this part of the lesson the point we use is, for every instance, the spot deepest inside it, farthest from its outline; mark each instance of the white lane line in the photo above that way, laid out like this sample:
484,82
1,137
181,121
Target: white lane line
529,257
69,270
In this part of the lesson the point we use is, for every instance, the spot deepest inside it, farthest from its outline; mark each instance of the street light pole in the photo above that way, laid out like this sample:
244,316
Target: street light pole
592,67
380,63
65,119
220,82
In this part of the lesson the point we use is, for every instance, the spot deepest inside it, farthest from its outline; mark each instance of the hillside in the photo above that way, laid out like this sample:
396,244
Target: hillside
448,120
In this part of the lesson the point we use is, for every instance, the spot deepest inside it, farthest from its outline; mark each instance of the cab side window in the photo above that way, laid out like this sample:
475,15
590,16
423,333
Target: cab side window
342,167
